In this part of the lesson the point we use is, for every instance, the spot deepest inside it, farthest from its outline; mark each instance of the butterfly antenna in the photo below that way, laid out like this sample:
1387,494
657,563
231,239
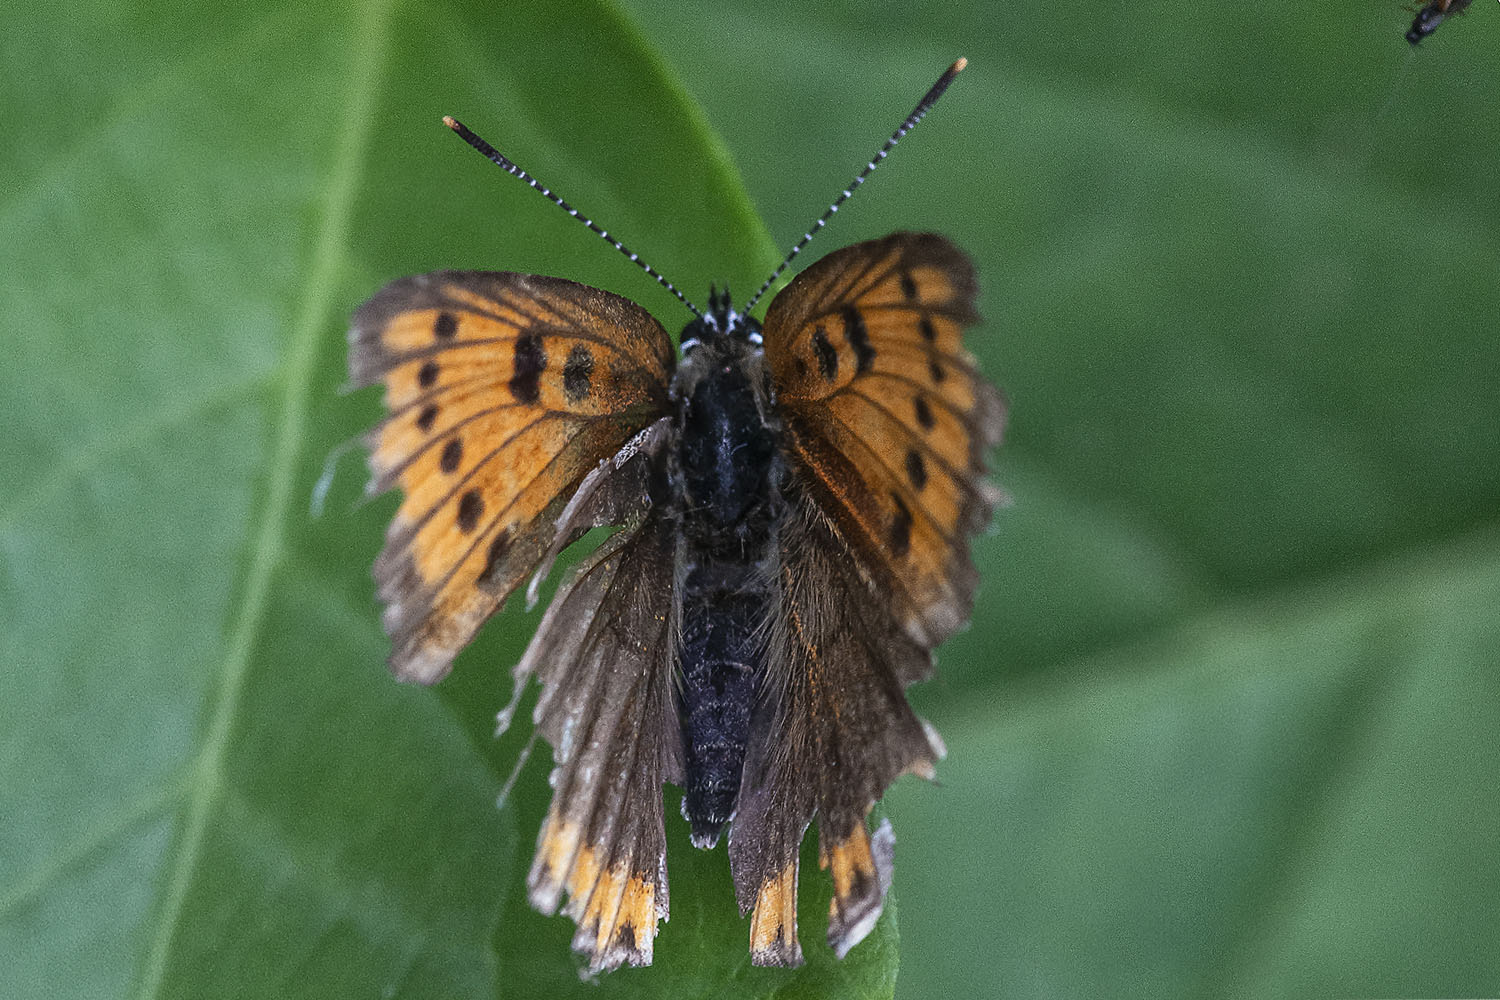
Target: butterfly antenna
918,113
499,160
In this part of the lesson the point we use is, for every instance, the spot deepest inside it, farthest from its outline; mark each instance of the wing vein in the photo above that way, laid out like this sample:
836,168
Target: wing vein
895,475
964,477
480,535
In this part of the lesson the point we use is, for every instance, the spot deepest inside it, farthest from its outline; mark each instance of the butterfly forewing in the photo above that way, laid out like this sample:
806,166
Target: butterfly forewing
887,418
503,391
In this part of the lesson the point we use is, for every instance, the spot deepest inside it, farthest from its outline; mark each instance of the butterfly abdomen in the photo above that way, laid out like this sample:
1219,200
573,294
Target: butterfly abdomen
723,606
726,480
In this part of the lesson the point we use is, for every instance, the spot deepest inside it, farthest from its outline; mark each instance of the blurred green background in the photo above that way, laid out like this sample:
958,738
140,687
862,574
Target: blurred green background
1226,719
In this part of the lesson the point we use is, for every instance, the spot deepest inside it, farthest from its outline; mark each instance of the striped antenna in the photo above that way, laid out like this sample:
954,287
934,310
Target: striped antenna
918,113
499,160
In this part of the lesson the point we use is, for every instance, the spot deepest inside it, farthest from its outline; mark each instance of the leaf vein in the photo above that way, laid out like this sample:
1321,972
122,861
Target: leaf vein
148,805
269,535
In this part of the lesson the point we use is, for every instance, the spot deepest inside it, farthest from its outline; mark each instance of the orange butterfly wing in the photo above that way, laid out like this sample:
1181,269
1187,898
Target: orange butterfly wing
888,418
503,391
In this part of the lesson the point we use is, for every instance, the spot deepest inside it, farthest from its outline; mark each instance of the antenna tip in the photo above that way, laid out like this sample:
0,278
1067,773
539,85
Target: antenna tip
451,122
958,65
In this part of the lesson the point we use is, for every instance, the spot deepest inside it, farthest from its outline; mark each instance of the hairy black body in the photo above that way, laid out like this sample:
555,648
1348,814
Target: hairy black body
726,480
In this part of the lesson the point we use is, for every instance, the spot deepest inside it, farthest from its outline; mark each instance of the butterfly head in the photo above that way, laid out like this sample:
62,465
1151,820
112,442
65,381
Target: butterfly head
720,320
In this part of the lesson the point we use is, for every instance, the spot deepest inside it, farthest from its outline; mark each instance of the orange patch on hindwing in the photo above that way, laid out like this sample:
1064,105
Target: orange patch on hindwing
773,922
614,906
860,866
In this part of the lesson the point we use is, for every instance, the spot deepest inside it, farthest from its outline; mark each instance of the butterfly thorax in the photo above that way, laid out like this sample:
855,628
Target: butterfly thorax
726,438
726,476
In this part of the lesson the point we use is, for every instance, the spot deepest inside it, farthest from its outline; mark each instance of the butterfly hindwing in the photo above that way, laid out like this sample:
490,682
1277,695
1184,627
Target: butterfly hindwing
830,733
604,655
886,420
503,391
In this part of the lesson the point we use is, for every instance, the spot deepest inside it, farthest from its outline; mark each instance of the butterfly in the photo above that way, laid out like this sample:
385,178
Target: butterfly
793,500
1430,16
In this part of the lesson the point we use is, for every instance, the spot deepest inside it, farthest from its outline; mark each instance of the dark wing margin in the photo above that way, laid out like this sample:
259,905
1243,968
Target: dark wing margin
504,391
604,655
831,730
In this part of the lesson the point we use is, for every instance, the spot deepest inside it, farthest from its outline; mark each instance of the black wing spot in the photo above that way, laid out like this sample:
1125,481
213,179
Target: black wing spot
924,413
453,453
935,369
578,373
916,470
860,885
929,332
859,338
427,375
900,537
498,548
908,286
445,326
470,509
529,362
426,417
828,358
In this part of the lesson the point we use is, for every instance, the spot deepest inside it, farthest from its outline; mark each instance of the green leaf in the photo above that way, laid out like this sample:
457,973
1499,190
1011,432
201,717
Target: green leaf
1225,719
